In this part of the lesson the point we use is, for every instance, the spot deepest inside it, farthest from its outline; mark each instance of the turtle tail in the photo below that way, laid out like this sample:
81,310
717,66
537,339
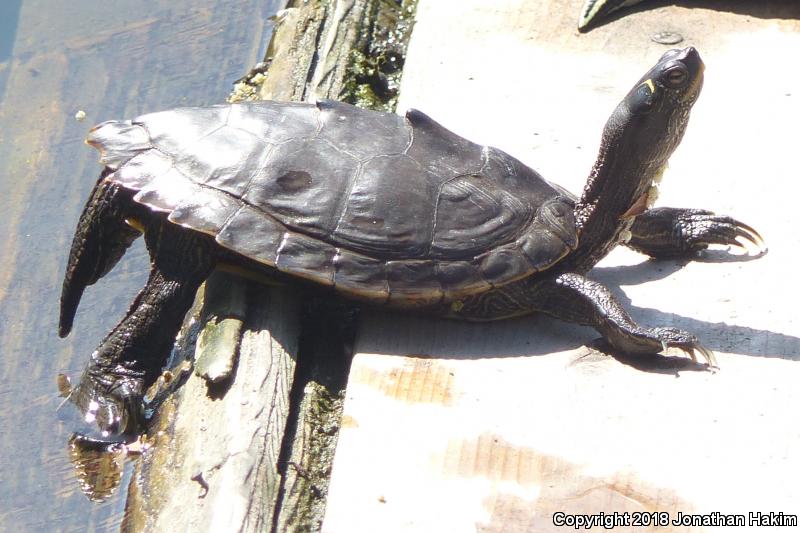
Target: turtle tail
101,239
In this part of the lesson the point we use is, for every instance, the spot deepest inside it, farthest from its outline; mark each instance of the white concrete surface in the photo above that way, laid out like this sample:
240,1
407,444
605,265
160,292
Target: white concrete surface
458,427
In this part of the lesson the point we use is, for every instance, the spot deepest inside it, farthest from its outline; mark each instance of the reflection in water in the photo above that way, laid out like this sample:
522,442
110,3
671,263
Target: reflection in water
98,453
99,464
111,59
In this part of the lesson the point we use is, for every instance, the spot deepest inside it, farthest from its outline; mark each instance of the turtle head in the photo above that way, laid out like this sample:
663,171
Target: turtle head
650,121
638,139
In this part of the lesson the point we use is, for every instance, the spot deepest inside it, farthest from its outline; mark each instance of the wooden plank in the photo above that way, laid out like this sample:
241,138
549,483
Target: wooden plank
495,427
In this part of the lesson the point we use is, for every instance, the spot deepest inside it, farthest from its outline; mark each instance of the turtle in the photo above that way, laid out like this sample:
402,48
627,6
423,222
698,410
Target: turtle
594,10
381,209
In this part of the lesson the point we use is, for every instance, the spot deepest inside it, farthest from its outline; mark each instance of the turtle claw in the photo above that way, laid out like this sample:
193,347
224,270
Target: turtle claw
693,349
110,406
675,338
751,235
703,229
708,355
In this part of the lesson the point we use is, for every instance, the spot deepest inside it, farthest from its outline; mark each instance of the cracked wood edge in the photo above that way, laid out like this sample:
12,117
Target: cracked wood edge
310,61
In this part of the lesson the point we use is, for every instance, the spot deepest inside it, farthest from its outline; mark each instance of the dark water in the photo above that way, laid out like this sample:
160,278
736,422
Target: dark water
113,59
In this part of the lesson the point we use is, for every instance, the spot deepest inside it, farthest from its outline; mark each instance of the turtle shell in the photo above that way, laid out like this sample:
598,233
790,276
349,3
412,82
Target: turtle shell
380,206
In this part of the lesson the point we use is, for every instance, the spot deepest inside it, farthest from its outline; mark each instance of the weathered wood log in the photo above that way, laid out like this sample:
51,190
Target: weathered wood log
215,447
229,451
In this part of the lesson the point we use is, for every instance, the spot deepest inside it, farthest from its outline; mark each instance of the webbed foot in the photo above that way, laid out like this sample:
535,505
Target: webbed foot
673,232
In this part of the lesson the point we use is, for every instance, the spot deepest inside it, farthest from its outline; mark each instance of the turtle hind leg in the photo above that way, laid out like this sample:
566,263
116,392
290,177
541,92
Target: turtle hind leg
574,298
100,240
131,357
671,232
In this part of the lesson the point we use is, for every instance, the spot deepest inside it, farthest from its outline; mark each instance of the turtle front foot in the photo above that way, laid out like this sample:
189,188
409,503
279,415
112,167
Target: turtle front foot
574,298
672,232
635,340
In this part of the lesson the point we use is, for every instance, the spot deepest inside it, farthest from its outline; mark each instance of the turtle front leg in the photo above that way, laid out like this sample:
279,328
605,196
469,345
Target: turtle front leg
574,298
130,358
672,232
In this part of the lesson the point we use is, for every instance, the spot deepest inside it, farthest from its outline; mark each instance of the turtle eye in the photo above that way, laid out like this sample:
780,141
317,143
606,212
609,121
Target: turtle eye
676,77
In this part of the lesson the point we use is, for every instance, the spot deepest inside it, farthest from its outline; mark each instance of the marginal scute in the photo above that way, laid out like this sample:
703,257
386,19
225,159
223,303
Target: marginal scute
344,126
275,122
361,276
253,234
207,211
167,191
301,184
413,283
460,278
307,258
552,235
439,150
118,142
142,169
390,209
503,265
542,248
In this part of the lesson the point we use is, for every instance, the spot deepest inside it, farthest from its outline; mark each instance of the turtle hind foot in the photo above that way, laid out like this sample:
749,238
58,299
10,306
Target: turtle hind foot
596,10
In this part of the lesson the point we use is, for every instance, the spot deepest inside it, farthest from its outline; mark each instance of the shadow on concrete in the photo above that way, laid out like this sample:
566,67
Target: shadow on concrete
718,336
404,334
